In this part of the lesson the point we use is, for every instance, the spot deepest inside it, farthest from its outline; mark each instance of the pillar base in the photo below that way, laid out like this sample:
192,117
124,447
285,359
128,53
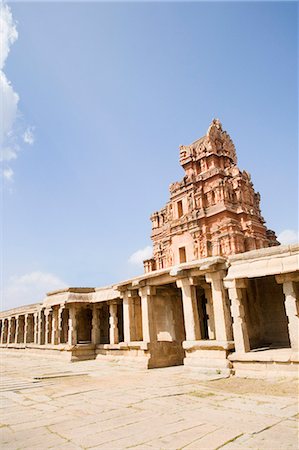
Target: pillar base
208,356
270,363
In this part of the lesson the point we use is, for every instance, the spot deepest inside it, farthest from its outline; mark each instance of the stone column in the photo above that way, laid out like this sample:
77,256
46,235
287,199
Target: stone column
17,329
113,321
146,294
60,322
26,328
128,306
39,327
290,282
191,317
47,319
9,331
222,317
292,311
95,331
210,310
2,329
72,331
240,330
54,334
36,323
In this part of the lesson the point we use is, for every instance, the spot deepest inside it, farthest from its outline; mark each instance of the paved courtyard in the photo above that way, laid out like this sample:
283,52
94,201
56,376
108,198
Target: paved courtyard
48,403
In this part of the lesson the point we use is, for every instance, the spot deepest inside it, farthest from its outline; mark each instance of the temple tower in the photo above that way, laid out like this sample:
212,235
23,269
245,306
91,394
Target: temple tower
213,211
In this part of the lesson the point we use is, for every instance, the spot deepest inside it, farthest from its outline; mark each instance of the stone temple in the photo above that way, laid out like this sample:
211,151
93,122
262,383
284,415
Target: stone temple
213,211
219,294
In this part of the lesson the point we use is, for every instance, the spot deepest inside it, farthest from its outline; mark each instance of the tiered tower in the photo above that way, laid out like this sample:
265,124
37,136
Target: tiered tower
213,211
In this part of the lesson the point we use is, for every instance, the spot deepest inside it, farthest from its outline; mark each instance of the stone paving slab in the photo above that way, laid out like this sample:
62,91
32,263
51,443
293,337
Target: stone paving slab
90,405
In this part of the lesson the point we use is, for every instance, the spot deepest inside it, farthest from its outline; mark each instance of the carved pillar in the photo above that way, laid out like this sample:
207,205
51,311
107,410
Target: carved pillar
128,316
113,321
291,294
36,327
240,330
95,332
17,329
292,311
39,327
60,313
9,330
191,317
222,317
146,294
210,310
2,330
72,330
54,331
26,327
47,326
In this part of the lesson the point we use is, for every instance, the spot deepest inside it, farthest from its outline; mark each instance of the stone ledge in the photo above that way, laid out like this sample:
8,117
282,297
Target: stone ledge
273,356
208,345
139,345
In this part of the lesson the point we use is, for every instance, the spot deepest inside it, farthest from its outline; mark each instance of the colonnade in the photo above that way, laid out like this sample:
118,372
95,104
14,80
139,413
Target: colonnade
188,311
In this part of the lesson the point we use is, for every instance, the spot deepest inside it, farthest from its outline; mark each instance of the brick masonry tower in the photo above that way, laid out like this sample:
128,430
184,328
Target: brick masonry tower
213,211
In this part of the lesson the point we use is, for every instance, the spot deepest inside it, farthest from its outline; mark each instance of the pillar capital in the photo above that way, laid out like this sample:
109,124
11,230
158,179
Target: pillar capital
236,283
147,291
287,277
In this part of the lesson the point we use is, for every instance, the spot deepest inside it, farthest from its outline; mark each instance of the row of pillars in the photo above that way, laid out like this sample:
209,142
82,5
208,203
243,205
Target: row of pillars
48,326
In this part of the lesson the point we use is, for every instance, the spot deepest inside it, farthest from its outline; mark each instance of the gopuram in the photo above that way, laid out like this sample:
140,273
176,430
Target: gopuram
220,294
213,211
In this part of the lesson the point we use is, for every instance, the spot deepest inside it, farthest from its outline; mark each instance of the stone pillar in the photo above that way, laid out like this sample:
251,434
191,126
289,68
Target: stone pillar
222,317
146,294
39,327
290,282
191,317
210,310
54,334
72,331
95,331
26,328
128,316
9,331
292,311
240,330
113,321
36,323
47,328
2,330
17,329
60,323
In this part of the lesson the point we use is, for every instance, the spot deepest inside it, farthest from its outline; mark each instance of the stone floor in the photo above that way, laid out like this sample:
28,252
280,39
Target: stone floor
47,403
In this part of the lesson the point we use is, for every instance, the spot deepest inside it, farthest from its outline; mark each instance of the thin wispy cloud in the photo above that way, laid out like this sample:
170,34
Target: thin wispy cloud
9,135
29,288
28,136
288,237
140,255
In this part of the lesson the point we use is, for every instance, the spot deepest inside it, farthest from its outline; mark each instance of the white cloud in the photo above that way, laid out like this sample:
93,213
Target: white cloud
139,256
9,113
288,237
28,136
8,174
8,32
29,288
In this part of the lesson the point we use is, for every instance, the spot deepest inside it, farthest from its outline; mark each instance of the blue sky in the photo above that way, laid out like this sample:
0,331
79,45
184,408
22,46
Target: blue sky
107,93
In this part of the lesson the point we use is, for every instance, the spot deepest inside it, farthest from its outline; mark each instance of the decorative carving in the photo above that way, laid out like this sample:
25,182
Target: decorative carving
221,209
